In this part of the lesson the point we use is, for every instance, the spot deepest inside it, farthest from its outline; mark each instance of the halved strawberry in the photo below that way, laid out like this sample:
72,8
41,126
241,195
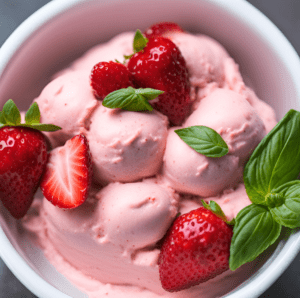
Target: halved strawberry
67,177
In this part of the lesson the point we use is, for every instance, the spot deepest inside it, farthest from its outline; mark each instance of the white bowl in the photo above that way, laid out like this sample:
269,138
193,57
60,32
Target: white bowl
63,29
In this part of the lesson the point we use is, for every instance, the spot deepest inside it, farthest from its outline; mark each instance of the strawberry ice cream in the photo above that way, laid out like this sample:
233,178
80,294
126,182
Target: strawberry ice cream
69,94
126,146
144,174
236,121
205,59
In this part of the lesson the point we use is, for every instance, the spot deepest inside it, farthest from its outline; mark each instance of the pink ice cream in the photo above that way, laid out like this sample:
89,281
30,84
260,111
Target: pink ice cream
205,58
126,146
122,222
144,174
231,115
115,49
68,102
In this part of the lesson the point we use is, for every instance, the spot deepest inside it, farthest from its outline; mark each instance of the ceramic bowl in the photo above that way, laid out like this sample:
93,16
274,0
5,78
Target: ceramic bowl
64,29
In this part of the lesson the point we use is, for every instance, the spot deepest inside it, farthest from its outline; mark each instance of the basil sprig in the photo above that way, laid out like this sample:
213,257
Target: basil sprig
204,140
10,116
270,178
131,99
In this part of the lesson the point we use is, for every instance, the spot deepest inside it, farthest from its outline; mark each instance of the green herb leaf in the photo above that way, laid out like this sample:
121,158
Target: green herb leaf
254,231
2,118
33,114
288,212
11,113
217,210
271,165
139,41
42,126
131,99
204,140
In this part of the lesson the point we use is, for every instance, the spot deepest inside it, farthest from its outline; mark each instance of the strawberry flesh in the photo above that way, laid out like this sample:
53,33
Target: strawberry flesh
23,157
67,177
195,249
160,65
107,77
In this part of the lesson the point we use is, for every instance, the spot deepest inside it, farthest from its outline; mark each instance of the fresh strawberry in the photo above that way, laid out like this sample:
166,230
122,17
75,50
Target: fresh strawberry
195,249
160,65
23,157
67,177
162,29
107,77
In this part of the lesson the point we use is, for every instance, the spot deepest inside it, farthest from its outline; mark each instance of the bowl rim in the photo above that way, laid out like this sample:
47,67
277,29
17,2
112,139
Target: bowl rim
241,10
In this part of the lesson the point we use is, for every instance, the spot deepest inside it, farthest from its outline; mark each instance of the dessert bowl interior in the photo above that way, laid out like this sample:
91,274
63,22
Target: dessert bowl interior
63,30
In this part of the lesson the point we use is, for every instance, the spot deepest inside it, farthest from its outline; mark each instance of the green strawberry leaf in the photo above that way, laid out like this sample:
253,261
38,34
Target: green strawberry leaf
131,99
215,208
204,140
42,126
2,118
254,231
11,113
10,116
285,206
139,41
33,114
271,165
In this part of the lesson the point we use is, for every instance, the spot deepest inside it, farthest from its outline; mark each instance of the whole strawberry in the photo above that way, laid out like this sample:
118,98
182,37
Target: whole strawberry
160,65
107,77
162,29
195,249
23,157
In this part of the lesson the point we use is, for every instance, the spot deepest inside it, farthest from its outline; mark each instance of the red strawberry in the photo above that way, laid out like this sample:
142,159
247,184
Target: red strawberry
160,65
195,249
107,77
67,177
23,157
161,29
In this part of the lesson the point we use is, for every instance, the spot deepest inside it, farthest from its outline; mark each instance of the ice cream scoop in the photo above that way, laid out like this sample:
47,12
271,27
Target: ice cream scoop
126,146
68,102
231,115
204,57
114,49
121,222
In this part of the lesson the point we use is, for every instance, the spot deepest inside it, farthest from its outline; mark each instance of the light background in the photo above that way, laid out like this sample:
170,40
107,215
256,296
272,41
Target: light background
284,13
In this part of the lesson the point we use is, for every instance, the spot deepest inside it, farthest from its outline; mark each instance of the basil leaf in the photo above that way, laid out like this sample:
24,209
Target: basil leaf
33,114
204,140
288,212
11,113
131,99
254,231
276,160
139,41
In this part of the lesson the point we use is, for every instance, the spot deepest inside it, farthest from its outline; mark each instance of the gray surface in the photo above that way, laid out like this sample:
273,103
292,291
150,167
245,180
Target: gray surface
284,13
